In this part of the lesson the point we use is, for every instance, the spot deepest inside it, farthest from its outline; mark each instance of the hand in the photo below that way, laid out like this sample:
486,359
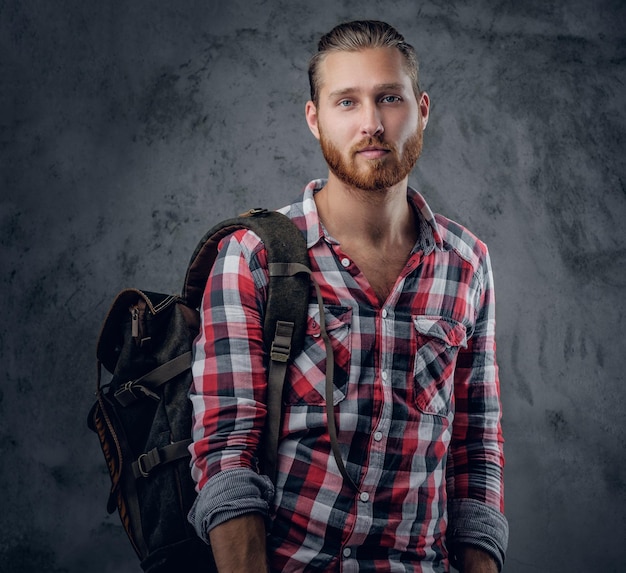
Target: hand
474,560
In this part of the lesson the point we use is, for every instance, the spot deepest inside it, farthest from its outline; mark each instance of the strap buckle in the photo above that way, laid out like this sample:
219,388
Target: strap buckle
144,472
281,345
147,462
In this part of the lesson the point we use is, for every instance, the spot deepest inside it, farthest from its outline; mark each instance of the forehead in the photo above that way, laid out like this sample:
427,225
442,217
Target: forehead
362,70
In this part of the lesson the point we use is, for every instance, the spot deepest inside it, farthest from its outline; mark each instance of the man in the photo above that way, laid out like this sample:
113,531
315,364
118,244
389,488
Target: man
409,309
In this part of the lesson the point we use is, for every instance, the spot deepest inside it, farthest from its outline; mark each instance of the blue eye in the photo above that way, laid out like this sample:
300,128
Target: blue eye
391,99
345,103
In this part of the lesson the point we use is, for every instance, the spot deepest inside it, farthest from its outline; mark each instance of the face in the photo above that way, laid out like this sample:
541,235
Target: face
368,119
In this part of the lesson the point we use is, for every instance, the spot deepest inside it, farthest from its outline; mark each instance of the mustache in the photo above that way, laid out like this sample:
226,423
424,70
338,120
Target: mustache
372,142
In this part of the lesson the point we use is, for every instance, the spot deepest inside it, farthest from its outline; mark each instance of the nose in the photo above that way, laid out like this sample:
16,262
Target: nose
371,121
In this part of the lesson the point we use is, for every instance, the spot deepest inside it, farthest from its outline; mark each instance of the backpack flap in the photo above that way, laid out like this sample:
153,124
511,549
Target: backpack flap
128,316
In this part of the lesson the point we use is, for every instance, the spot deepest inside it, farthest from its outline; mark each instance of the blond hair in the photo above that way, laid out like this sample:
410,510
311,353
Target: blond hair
359,35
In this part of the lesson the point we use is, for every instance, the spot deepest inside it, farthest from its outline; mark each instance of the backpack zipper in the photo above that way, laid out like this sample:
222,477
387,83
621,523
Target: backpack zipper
134,316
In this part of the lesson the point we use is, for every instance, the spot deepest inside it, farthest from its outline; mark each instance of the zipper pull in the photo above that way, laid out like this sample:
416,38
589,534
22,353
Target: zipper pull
134,324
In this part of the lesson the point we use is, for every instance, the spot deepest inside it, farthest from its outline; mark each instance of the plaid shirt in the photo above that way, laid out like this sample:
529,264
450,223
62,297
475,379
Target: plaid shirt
416,400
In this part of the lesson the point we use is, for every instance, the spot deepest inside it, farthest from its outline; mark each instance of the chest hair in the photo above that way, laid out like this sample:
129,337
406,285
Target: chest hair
380,268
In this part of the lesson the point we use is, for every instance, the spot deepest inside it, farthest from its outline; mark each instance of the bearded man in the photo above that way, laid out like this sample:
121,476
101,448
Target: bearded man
409,310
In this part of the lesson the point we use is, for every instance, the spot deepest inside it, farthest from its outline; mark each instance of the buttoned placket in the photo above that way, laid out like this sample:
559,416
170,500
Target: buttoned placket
378,444
380,433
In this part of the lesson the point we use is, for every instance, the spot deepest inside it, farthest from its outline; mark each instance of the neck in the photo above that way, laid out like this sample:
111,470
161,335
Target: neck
378,218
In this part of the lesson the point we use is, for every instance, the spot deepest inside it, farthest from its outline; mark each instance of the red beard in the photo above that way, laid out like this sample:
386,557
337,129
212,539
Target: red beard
379,174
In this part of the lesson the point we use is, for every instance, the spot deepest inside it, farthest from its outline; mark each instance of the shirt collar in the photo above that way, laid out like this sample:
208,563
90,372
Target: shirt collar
427,215
315,230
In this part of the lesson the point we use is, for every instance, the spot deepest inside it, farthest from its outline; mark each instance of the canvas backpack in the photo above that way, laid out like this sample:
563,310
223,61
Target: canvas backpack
143,415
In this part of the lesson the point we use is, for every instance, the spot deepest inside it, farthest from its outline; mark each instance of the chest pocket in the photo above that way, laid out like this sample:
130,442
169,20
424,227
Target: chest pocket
438,343
307,377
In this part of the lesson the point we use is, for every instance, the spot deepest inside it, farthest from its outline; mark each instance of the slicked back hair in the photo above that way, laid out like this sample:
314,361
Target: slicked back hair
360,35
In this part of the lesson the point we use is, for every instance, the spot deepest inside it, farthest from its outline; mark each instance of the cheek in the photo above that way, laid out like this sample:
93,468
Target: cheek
338,126
403,124
338,138
341,131
407,136
409,127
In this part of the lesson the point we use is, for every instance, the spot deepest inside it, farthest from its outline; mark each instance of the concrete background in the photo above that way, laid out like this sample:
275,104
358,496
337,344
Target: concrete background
127,128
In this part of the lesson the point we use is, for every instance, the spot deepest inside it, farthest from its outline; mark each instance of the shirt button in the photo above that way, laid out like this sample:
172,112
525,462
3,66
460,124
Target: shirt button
347,552
364,496
345,262
378,436
384,375
385,313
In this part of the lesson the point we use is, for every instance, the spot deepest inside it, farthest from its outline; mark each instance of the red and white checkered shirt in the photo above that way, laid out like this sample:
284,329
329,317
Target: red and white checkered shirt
416,400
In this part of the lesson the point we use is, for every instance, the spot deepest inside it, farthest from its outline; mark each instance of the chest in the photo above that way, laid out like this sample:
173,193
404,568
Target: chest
381,269
437,283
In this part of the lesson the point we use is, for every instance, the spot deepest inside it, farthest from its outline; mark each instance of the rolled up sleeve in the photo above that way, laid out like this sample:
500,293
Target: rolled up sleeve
229,386
476,458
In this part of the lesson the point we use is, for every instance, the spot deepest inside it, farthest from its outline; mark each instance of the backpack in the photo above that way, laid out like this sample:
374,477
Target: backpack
143,415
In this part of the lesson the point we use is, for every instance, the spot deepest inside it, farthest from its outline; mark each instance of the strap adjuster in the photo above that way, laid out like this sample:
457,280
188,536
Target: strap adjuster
144,472
281,345
125,394
147,462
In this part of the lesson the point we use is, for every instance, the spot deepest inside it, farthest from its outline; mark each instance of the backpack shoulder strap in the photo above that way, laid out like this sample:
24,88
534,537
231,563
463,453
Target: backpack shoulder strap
288,296
285,316
288,299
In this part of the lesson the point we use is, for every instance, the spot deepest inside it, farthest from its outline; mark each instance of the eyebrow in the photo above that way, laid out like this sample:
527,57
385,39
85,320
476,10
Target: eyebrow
394,86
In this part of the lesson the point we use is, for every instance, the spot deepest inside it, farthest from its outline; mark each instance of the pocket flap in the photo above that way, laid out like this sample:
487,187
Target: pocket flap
335,317
449,331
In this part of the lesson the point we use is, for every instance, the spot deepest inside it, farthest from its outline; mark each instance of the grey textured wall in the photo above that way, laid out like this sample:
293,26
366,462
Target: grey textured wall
128,127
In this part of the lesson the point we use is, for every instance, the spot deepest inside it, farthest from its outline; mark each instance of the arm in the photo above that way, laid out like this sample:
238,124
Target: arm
228,399
239,545
476,460
473,560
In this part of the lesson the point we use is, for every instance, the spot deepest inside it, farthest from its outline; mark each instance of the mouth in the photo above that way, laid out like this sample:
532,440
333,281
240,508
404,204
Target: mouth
373,152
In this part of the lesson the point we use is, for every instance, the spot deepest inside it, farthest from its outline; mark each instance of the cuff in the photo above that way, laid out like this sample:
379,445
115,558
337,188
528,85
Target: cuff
472,522
230,494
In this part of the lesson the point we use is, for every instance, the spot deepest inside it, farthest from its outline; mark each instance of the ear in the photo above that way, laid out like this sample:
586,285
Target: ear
424,107
310,112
